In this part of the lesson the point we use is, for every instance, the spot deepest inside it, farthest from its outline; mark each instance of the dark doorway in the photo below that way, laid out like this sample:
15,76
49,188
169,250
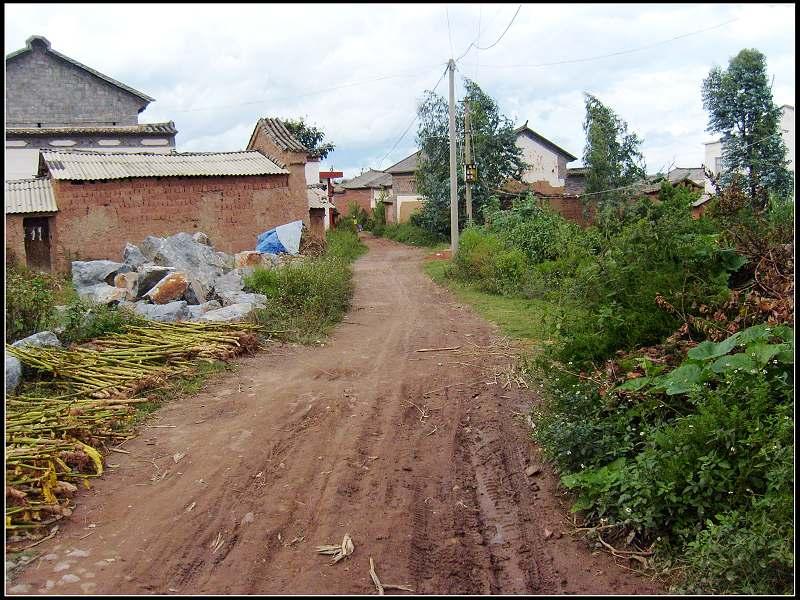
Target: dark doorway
37,243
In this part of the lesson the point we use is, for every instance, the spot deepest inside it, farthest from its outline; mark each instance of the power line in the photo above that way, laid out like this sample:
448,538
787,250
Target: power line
416,115
316,92
621,52
472,44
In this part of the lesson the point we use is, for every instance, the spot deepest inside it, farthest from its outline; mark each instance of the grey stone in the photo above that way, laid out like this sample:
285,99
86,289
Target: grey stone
229,282
13,373
150,274
102,293
230,298
167,313
129,282
196,293
228,313
92,272
201,238
195,312
133,257
200,262
41,339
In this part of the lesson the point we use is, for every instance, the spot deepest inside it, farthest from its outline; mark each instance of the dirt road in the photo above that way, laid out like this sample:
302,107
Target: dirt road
305,444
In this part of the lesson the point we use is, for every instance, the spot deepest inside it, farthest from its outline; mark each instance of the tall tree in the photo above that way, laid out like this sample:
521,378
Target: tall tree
311,137
493,148
612,157
741,109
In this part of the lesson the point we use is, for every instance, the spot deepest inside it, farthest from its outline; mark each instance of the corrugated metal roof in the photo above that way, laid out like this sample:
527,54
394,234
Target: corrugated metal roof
44,41
276,129
407,165
368,179
167,128
90,165
317,198
30,196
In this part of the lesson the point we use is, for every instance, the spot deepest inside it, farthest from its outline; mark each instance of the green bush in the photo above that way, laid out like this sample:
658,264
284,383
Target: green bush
698,457
408,233
344,244
30,303
84,321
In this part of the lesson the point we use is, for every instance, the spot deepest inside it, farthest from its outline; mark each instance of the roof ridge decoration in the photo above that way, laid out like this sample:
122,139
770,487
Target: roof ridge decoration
45,44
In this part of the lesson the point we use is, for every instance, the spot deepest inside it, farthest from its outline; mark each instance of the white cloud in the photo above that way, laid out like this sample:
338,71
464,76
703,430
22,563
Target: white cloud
245,61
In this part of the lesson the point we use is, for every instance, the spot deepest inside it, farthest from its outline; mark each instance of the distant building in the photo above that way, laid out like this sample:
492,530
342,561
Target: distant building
56,102
713,153
546,170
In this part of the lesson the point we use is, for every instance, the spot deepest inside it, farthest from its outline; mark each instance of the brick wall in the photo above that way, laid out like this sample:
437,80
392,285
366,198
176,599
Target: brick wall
15,239
294,162
362,197
97,218
41,88
572,209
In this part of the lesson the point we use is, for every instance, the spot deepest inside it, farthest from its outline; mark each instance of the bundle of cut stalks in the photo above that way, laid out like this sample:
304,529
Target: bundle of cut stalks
56,441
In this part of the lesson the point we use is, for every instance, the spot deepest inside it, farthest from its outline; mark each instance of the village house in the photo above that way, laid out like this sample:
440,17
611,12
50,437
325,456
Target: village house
86,205
54,101
405,199
364,191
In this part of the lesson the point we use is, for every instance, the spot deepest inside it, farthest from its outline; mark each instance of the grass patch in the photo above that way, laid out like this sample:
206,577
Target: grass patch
308,298
520,318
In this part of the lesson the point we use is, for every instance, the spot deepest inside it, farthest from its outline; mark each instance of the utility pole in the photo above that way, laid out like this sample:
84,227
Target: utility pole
453,175
467,160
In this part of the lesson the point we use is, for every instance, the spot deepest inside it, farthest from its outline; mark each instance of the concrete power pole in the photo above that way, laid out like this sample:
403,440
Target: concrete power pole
453,174
468,160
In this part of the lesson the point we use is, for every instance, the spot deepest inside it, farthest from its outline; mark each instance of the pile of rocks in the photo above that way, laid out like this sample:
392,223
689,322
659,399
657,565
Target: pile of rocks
177,278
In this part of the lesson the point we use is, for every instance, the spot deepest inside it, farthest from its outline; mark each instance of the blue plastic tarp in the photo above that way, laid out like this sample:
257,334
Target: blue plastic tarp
281,239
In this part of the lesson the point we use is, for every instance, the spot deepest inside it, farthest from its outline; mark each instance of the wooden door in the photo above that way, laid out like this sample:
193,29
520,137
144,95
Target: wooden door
37,243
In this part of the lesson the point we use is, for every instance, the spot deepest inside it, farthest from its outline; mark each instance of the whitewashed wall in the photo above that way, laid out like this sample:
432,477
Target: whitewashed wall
543,162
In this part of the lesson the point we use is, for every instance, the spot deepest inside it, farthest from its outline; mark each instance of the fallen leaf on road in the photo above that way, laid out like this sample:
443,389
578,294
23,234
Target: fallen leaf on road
340,551
178,456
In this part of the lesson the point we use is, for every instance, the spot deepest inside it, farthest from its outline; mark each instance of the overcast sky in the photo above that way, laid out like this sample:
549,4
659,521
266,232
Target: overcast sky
215,69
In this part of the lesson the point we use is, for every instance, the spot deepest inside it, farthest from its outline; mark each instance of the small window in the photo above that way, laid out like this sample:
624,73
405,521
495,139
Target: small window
718,165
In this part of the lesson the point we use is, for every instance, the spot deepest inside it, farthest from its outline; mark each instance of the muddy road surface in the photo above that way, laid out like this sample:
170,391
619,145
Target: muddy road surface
420,456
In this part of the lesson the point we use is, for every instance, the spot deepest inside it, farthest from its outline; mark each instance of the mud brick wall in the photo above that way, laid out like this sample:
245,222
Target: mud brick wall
97,218
403,184
361,197
15,239
572,209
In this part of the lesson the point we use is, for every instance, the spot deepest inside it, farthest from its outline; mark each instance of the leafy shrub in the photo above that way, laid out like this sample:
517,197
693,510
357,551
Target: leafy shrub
408,233
83,321
344,244
29,303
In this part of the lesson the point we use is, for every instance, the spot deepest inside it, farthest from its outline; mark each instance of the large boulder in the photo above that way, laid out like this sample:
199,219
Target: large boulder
230,298
133,257
195,312
196,292
201,238
180,251
13,373
169,312
170,288
102,293
92,272
41,339
129,282
248,258
150,274
229,282
234,312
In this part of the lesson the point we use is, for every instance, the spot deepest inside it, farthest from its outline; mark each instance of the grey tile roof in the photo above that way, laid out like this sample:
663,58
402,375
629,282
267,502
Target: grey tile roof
543,140
30,196
694,174
368,179
282,136
41,39
167,128
407,165
90,165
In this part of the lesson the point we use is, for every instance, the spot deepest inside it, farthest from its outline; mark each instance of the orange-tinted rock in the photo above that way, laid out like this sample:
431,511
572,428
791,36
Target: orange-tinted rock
248,258
170,288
